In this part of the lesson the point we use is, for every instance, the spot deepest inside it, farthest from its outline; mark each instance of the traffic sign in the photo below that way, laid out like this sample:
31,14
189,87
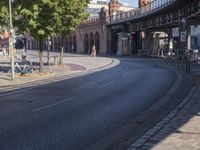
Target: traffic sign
183,36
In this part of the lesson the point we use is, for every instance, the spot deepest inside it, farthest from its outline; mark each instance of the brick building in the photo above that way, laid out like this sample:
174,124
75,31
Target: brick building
90,32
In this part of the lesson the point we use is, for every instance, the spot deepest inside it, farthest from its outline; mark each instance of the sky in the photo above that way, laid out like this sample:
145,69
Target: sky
130,2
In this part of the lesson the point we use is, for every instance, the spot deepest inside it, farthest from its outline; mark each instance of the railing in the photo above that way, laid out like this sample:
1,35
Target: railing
152,7
183,58
90,21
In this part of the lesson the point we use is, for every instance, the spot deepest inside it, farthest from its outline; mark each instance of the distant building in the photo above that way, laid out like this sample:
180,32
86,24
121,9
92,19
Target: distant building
94,7
142,3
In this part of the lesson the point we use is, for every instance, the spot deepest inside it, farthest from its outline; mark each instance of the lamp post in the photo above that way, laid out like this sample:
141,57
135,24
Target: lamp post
11,43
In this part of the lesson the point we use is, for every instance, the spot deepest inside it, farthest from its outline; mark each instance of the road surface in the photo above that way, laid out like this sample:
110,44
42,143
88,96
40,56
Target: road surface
76,113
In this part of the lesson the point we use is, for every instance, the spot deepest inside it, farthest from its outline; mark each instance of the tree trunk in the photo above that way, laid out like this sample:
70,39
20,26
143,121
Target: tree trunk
40,56
61,51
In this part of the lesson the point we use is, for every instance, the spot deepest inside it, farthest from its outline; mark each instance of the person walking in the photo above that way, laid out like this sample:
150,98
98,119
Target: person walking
93,51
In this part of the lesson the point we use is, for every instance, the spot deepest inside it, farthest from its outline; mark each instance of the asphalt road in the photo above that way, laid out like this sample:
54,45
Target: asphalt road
76,113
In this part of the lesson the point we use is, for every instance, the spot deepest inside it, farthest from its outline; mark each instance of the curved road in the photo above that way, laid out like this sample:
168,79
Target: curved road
76,113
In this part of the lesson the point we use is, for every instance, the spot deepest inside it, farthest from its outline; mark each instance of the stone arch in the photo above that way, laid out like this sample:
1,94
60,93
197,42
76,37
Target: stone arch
86,43
91,40
74,43
97,42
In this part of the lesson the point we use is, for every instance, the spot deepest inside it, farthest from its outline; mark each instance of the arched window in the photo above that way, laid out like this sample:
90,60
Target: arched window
66,44
70,44
74,44
91,41
86,43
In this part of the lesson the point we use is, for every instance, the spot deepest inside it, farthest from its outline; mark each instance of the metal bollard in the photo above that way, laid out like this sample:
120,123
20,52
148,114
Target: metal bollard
55,60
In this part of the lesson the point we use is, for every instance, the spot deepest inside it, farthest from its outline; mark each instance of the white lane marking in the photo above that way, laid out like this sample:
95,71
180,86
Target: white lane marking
124,74
93,82
85,86
54,104
106,84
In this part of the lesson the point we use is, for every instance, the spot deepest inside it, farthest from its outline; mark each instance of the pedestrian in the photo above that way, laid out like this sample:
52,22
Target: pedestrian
23,54
93,51
4,51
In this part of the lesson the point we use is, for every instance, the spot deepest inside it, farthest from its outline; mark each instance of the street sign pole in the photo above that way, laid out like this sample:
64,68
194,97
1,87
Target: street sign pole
11,44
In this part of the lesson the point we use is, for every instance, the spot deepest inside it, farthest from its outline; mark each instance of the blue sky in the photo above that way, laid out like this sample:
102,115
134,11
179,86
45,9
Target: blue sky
130,2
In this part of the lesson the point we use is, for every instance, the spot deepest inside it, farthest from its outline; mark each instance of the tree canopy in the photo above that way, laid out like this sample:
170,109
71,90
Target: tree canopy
36,17
71,13
4,15
44,18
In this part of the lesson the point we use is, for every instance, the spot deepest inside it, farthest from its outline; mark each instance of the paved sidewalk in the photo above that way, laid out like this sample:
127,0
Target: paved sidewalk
74,65
179,130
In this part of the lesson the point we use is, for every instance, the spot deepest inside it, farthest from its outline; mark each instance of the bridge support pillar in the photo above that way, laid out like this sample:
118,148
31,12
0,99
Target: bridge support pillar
183,33
170,40
145,40
123,47
189,44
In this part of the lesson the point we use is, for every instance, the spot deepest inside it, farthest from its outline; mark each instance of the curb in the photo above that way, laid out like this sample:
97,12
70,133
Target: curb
135,128
151,132
55,78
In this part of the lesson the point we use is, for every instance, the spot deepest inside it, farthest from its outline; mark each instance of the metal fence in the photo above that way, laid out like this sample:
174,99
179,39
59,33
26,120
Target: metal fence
184,58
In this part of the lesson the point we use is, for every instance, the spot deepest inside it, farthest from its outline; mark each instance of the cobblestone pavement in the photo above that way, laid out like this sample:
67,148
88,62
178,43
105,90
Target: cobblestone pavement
179,130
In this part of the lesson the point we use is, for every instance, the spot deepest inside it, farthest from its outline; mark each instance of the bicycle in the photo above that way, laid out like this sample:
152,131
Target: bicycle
26,68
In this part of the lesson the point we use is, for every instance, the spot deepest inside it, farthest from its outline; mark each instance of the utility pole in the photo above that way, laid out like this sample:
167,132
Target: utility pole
11,50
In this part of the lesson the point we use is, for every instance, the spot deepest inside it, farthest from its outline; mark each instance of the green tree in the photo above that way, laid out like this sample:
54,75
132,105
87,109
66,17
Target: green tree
4,15
39,18
71,13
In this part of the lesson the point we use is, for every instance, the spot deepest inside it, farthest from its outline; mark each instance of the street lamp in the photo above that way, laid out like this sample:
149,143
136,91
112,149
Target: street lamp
11,43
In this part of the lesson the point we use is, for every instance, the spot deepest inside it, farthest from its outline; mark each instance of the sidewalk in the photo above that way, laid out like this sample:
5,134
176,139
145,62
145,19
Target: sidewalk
74,65
179,130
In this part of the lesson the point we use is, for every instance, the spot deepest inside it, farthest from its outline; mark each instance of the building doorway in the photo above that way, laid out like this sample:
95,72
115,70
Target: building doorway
97,42
86,44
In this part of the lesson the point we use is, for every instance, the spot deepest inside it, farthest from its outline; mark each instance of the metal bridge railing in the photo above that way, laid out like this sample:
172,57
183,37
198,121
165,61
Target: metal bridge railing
152,7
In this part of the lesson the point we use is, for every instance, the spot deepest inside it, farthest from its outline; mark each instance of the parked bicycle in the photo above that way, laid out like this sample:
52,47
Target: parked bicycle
24,69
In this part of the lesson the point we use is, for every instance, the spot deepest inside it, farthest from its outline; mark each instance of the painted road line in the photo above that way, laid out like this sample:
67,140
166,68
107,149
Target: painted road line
54,104
94,82
124,74
106,84
87,85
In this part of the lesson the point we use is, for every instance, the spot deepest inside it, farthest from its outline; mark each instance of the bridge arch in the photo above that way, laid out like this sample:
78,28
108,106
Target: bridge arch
91,41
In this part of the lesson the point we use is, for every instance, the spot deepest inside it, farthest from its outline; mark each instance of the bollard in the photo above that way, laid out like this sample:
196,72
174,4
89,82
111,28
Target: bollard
55,60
